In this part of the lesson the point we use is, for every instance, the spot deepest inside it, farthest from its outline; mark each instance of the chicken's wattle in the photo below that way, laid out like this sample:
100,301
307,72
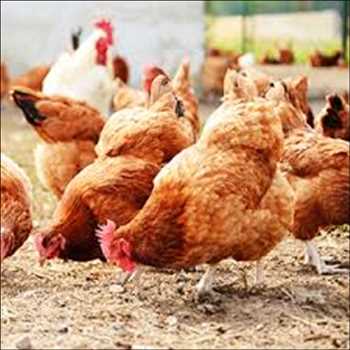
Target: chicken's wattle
101,49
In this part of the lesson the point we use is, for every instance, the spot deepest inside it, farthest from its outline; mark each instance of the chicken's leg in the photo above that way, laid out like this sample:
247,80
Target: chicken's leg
131,276
259,277
205,285
313,257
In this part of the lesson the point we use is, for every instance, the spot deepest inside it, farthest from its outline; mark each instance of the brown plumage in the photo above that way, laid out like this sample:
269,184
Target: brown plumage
214,69
157,138
299,98
69,131
324,200
333,120
222,197
285,56
133,146
316,166
111,188
319,59
184,91
4,81
318,169
121,69
128,97
253,83
16,212
261,80
32,79
299,85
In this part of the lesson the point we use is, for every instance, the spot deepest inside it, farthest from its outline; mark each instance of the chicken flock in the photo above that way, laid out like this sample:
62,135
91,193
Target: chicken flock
149,185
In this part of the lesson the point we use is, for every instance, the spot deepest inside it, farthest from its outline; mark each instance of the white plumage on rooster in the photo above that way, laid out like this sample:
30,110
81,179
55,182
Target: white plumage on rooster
87,73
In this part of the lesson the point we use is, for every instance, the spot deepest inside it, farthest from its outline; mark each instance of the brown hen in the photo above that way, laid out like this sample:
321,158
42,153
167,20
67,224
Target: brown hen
317,167
223,197
69,131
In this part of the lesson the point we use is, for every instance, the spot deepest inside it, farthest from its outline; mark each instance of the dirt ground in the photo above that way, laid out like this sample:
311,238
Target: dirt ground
80,306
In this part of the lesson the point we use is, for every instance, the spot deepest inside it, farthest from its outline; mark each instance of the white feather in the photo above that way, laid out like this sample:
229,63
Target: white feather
77,75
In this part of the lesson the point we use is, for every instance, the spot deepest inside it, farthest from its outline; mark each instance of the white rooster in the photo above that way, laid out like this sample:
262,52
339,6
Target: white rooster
87,73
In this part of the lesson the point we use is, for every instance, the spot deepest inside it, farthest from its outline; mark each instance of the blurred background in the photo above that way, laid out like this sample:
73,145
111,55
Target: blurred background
158,32
162,32
262,26
283,38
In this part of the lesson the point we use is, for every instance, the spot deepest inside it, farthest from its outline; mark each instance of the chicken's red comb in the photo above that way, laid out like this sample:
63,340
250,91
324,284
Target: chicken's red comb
107,27
105,236
186,60
151,71
148,67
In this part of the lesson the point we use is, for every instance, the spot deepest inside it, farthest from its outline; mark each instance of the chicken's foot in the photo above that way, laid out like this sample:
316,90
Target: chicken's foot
312,257
205,285
127,277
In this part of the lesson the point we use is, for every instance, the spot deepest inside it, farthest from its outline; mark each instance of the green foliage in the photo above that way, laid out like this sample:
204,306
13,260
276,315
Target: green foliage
302,51
229,40
226,8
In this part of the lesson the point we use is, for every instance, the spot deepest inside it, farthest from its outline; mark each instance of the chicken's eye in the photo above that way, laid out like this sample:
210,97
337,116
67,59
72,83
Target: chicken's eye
179,108
244,74
45,242
165,82
272,84
285,87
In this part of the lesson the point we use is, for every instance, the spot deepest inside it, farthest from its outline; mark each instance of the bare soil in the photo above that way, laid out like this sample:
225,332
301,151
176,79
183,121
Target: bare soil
80,306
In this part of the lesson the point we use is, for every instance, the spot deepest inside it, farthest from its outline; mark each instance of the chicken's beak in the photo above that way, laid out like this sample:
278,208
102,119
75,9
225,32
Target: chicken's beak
124,278
42,261
26,100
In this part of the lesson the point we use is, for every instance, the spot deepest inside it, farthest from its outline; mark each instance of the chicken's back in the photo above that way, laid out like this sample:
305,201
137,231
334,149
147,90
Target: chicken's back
15,171
4,80
127,97
153,135
318,169
183,89
309,153
113,188
209,207
32,79
16,207
57,164
216,200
